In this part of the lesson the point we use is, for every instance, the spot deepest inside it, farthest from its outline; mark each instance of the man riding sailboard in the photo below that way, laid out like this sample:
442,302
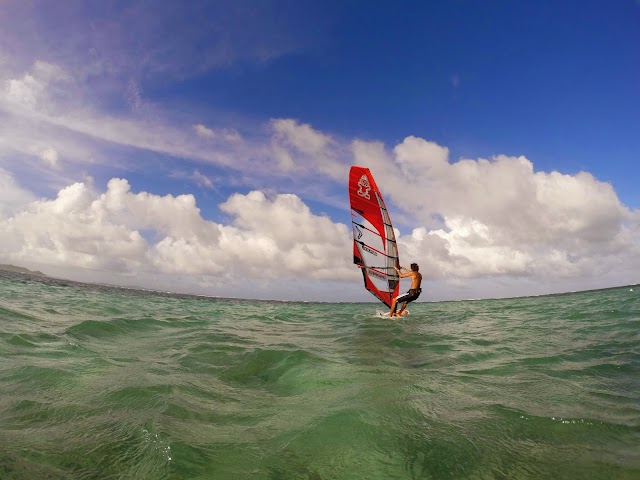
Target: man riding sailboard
375,250
413,293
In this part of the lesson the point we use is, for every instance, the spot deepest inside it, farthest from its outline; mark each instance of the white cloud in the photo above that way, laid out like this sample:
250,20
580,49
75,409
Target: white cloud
70,231
225,134
202,180
43,101
231,135
79,133
24,91
40,101
283,158
12,196
283,234
196,177
301,136
501,218
301,148
50,156
468,219
204,131
124,232
580,232
37,88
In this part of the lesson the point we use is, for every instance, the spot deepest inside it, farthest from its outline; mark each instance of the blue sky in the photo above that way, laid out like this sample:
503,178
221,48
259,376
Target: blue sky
504,136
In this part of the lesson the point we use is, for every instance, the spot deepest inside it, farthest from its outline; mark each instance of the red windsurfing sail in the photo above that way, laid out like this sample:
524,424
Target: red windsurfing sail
374,242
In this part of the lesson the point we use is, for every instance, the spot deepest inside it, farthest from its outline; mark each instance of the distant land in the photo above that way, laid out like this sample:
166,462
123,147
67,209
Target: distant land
13,268
66,282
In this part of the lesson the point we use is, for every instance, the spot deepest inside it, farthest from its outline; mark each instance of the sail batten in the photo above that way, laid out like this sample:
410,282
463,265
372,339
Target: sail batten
377,251
374,241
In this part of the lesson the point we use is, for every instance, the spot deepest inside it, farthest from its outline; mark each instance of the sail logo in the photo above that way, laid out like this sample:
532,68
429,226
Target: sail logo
367,249
359,233
364,187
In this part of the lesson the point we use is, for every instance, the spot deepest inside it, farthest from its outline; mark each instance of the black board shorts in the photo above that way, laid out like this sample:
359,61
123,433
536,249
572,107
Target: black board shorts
410,296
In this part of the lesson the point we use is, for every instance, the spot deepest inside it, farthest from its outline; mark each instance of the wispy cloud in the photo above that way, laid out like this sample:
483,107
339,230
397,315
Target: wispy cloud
204,131
108,40
77,72
312,150
34,102
196,177
225,134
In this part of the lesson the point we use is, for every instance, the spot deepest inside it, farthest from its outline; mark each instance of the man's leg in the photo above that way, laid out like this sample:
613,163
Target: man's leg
393,306
404,305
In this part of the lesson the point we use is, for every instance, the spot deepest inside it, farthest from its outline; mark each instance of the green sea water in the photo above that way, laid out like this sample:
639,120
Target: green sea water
105,383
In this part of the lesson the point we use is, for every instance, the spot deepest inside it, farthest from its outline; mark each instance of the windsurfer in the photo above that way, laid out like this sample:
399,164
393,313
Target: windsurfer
413,293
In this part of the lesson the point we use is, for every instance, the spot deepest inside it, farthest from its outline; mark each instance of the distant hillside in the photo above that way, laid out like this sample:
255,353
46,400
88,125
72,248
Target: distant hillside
13,268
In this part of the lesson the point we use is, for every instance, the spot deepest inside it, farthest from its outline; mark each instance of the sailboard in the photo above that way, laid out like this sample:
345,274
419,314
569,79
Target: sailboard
374,242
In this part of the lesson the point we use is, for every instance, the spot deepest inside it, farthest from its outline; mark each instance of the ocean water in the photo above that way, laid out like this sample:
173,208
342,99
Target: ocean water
105,383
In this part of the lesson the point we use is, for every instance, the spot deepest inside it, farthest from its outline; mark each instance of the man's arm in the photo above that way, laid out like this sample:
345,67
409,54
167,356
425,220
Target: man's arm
403,275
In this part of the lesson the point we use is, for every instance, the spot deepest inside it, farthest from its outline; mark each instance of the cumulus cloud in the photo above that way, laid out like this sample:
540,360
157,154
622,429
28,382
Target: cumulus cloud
498,216
283,234
126,232
464,221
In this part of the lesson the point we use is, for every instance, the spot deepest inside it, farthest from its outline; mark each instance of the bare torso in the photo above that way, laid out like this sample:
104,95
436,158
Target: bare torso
416,280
